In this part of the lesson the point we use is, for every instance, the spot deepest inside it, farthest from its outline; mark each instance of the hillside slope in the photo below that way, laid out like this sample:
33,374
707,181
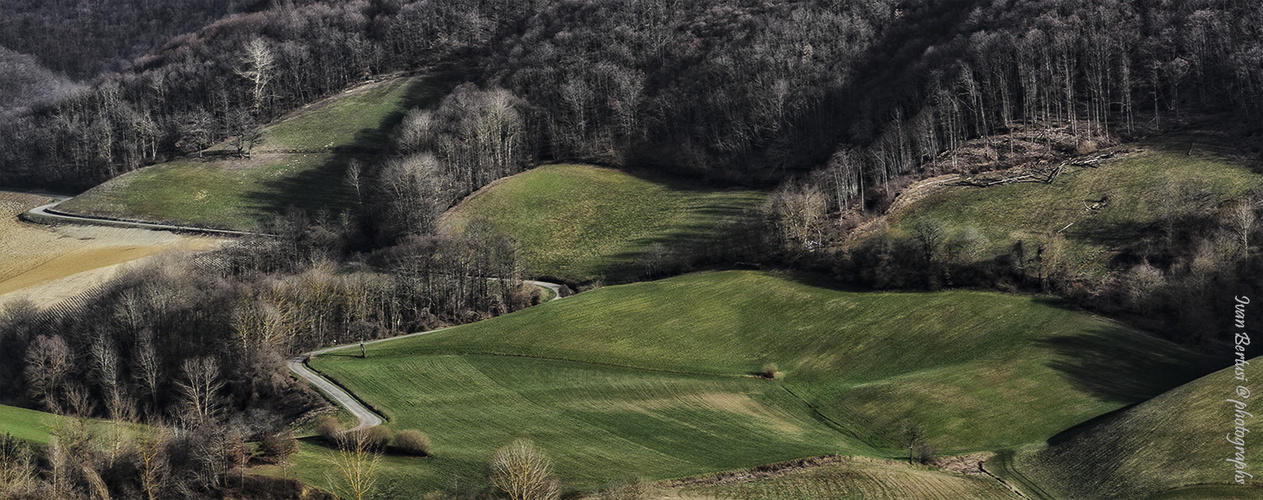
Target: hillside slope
1115,209
301,163
1173,445
582,223
976,371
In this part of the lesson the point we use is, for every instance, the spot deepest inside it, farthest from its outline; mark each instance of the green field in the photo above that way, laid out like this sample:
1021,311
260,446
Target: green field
302,163
221,193
598,422
857,478
1027,210
1173,446
360,118
655,378
582,223
39,427
29,425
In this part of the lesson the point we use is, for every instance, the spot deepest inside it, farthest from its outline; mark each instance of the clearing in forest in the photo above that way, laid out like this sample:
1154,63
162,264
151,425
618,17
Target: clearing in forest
301,163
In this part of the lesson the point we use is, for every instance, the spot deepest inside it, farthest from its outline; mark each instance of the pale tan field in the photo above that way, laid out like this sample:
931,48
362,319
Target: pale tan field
47,264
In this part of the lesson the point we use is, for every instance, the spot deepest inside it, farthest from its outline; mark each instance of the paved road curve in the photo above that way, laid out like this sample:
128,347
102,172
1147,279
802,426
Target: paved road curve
367,417
297,364
47,212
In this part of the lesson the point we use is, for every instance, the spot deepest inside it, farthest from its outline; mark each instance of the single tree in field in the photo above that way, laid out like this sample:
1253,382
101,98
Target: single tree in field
356,463
523,472
256,67
245,132
913,435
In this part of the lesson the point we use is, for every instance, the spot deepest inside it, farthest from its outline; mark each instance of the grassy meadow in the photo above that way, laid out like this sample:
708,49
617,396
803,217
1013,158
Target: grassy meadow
582,223
41,427
1133,184
301,163
1172,446
653,378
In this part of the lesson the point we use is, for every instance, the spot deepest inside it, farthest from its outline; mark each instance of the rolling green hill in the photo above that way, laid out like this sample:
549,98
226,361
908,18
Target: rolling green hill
668,365
301,163
581,223
1137,186
1172,446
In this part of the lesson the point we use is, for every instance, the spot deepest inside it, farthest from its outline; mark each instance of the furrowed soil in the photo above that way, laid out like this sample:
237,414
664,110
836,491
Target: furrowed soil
46,264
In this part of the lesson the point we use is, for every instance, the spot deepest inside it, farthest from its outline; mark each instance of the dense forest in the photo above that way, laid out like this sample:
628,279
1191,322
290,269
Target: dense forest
783,85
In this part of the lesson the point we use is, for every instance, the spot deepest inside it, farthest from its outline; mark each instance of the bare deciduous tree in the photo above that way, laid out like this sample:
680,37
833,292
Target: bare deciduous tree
523,472
200,386
48,361
257,66
152,461
147,368
796,210
1241,219
356,464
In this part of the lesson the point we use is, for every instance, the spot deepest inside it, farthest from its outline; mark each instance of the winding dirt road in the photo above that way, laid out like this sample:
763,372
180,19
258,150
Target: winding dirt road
368,418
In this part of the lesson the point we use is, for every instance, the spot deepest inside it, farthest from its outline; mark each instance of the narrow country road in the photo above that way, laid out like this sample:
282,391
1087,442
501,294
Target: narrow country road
298,364
46,213
367,418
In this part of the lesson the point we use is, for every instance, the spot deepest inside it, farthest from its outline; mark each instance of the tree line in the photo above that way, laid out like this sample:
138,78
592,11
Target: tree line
749,92
195,348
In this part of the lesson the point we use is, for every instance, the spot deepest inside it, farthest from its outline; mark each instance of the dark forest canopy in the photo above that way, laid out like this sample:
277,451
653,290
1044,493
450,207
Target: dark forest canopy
83,38
748,91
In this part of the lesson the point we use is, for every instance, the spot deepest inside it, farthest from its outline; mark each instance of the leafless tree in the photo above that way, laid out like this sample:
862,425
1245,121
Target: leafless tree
1242,220
200,385
147,368
356,466
152,461
48,362
257,65
523,472
796,210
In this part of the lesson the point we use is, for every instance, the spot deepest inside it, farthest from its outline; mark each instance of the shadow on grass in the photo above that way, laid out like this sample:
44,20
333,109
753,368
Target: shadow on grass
422,92
700,238
311,190
1112,234
1116,365
323,187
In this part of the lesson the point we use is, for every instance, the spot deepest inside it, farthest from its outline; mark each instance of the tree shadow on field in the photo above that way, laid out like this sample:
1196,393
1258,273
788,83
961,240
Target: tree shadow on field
321,187
422,92
1118,365
699,240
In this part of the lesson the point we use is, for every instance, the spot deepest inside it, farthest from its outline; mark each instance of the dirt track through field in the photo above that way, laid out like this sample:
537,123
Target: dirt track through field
47,264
